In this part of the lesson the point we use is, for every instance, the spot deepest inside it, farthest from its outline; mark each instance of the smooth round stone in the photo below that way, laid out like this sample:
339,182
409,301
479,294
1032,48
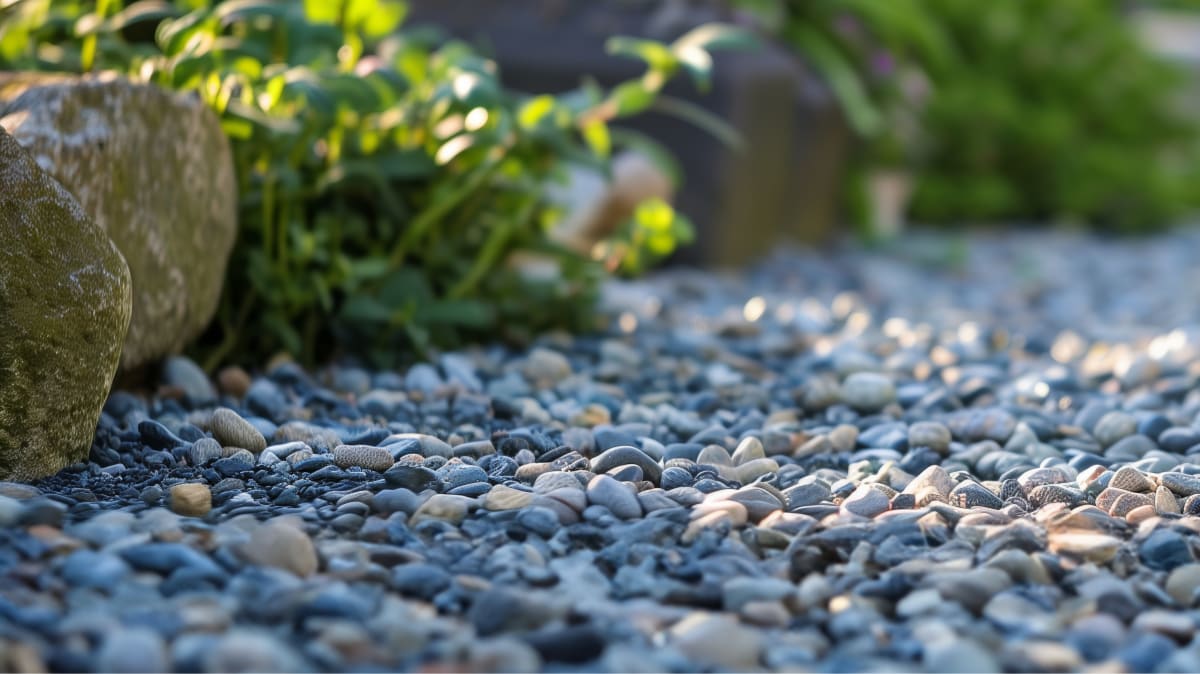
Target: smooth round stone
626,454
749,449
554,480
626,473
807,492
866,501
539,520
1164,550
182,373
101,571
132,649
502,497
713,640
868,391
419,580
373,458
655,499
929,434
1178,439
444,507
959,655
191,499
415,478
251,649
1113,427
19,491
756,468
456,475
674,476
231,430
1131,448
618,497
758,502
1182,584
1089,545
280,545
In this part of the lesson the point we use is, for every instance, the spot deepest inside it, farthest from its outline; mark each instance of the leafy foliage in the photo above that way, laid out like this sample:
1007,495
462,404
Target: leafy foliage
386,177
1016,110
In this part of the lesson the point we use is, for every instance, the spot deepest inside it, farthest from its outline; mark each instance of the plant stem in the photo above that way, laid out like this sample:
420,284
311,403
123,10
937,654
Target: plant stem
490,253
438,210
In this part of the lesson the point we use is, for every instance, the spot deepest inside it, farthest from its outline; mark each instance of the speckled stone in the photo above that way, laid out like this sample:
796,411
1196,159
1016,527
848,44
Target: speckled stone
231,430
377,459
1131,479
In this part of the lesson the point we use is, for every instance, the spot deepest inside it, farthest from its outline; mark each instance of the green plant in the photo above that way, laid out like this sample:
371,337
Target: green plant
386,177
1021,110
1053,110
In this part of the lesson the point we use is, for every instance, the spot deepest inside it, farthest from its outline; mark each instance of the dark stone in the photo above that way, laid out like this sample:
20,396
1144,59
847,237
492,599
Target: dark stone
1165,549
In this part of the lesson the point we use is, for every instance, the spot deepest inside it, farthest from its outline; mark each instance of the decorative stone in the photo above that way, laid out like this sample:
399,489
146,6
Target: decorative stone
65,307
191,499
506,498
231,430
280,544
868,391
155,171
377,459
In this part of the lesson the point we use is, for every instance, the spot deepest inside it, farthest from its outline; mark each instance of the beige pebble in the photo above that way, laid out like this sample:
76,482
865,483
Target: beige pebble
192,499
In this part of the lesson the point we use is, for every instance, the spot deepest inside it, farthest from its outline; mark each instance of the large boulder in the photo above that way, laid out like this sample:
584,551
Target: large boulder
65,303
155,171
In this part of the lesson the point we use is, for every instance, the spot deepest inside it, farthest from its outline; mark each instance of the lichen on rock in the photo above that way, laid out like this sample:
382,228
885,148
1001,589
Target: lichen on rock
155,171
65,306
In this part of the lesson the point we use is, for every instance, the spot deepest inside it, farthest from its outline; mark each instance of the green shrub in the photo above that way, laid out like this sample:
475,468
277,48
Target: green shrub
386,177
1018,110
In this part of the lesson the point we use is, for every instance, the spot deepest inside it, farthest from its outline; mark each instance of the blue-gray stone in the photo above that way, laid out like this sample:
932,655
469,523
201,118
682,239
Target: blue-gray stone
102,571
420,580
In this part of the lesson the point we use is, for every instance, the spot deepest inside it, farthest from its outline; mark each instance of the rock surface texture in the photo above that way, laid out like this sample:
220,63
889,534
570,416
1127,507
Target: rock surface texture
64,312
155,172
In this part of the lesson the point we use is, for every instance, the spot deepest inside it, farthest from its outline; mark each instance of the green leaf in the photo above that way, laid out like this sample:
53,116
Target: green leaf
144,10
534,110
656,54
365,309
231,11
595,132
322,11
703,119
631,98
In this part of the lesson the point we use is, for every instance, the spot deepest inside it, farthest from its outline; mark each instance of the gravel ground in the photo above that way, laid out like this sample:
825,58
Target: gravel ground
957,455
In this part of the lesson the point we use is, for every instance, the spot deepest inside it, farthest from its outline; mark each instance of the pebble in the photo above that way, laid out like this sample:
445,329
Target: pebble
231,430
377,459
866,501
868,391
618,497
444,507
502,497
930,434
280,545
1182,583
193,499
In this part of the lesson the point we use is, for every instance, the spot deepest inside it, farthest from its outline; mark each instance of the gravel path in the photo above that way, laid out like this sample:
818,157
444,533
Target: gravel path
958,455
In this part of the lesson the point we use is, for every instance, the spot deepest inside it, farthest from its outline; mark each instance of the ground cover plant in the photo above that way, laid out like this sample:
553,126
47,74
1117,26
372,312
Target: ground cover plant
386,176
1004,112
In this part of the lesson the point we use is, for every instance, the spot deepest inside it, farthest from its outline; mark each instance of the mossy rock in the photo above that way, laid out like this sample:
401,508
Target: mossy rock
155,171
65,305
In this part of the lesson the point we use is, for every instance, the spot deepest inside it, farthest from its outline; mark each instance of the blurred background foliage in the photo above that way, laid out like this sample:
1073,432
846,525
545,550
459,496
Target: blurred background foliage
1015,111
387,178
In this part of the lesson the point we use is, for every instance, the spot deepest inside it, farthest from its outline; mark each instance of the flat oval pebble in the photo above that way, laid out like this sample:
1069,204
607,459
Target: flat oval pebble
231,430
364,456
